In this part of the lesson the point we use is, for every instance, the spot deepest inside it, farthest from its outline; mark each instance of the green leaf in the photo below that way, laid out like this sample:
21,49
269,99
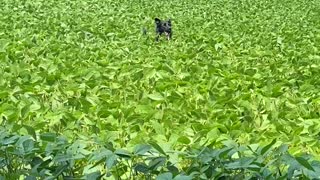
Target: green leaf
10,140
245,163
157,147
165,176
36,161
31,131
28,146
141,149
283,148
123,153
111,160
156,97
25,145
182,177
3,94
60,158
93,175
141,167
100,154
223,152
34,107
184,140
156,162
304,163
50,137
59,170
25,111
267,147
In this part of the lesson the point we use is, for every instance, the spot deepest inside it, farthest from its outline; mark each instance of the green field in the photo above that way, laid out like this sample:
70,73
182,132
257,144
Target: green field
78,77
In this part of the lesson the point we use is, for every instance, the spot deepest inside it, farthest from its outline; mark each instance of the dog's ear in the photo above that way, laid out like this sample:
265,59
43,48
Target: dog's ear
157,20
169,22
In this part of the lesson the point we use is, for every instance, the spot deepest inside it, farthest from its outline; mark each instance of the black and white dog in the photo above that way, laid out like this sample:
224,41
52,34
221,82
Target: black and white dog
163,27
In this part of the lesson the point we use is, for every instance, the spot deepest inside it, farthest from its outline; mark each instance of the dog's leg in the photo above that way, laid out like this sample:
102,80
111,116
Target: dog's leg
168,35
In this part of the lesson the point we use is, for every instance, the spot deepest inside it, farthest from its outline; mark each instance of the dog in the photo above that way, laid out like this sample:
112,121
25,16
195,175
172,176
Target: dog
163,27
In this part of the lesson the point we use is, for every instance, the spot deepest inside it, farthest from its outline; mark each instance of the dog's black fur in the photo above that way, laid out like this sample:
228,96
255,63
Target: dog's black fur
163,27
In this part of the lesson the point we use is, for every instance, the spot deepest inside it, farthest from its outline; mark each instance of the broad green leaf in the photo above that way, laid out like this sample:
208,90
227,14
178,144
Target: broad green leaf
50,137
59,170
60,158
123,153
100,154
141,149
164,176
36,161
3,94
223,152
156,97
184,140
111,160
267,147
28,146
157,147
304,163
156,162
25,111
24,145
34,107
10,140
245,162
173,169
93,175
141,167
182,177
31,131
283,148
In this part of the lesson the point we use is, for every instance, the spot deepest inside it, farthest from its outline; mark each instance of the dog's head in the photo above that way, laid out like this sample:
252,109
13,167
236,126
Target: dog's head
163,27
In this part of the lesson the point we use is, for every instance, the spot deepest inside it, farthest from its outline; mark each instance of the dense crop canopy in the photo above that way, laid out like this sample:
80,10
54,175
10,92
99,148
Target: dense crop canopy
242,72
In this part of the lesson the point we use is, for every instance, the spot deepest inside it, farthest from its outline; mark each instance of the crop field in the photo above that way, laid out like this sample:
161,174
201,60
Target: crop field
85,94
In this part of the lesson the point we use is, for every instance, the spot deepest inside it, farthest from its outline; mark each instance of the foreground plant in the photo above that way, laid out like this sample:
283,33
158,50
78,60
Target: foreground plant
53,157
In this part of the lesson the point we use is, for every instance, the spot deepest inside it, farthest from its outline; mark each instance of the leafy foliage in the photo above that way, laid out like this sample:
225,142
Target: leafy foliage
77,74
56,158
